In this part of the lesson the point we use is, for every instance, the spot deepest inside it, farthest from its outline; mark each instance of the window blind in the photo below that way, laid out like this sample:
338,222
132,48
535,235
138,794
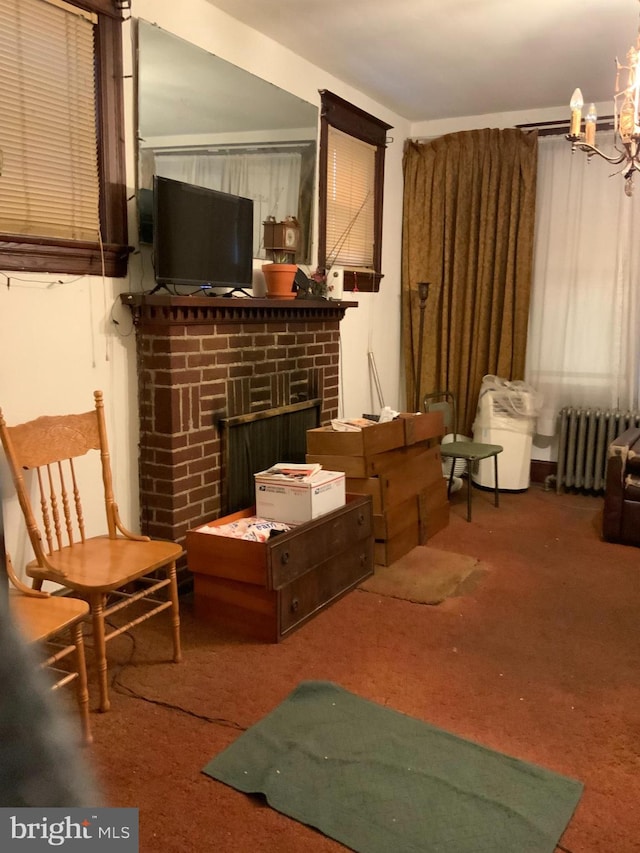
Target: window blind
350,229
49,186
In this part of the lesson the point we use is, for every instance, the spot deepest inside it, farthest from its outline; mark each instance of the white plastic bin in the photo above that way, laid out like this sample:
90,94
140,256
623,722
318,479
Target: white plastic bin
512,427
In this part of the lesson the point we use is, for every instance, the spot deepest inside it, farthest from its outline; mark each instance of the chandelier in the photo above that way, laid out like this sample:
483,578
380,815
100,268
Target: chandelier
626,121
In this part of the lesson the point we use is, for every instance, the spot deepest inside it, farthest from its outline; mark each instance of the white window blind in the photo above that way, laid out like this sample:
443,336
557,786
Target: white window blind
49,182
350,201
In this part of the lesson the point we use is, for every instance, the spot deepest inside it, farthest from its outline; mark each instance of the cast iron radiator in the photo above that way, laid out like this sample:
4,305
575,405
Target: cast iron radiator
585,435
254,442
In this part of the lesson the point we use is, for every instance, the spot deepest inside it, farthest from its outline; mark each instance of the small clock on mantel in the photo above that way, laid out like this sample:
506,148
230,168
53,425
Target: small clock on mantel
282,239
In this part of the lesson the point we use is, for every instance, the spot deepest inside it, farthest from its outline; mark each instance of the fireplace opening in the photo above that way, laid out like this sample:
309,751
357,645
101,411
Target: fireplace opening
256,441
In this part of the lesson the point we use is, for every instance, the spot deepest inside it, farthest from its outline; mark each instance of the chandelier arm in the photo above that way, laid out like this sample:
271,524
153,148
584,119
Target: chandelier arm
590,150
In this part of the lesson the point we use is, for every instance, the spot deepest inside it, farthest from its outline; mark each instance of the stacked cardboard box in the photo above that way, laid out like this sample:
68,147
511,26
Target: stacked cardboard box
398,463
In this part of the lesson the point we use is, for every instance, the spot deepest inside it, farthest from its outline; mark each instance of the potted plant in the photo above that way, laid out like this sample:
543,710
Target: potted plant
281,241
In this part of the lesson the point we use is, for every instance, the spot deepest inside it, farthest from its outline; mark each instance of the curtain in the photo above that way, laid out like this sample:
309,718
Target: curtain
468,219
583,333
272,180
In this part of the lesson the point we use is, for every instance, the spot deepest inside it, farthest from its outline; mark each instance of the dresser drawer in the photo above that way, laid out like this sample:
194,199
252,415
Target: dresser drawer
283,558
268,589
317,542
310,593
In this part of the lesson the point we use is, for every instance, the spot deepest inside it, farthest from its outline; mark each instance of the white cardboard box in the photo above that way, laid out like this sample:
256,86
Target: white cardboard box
296,501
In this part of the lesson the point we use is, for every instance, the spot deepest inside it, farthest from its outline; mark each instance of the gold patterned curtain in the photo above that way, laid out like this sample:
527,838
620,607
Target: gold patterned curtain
468,220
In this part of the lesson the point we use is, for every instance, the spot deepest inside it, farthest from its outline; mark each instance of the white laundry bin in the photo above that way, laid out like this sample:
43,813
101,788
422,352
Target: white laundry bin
506,416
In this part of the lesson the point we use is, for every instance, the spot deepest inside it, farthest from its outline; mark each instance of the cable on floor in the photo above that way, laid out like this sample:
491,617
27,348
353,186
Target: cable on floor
125,690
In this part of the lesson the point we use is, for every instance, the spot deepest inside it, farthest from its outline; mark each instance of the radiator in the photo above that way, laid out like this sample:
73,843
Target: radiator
585,435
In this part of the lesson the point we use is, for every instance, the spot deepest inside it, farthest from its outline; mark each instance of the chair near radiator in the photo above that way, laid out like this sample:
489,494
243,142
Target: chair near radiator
112,571
470,451
621,513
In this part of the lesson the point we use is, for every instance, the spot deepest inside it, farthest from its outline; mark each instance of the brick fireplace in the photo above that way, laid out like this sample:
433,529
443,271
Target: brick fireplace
204,360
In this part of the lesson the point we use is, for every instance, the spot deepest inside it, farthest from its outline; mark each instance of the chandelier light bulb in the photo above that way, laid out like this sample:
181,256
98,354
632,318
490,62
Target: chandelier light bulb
577,101
590,125
576,105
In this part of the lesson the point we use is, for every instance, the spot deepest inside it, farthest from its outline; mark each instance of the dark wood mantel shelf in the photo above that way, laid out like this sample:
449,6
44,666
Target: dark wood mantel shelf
162,309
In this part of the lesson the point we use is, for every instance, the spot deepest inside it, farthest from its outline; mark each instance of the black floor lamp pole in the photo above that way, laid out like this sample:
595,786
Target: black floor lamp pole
423,293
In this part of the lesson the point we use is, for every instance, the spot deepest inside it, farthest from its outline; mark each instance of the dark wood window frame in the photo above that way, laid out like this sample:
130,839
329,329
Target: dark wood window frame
338,113
46,254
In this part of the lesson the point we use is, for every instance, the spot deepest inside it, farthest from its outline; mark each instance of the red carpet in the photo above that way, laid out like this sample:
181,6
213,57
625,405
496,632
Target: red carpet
540,660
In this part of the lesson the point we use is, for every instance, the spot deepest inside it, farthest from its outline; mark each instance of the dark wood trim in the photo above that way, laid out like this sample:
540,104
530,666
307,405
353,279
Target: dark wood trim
366,282
541,469
352,120
71,257
338,113
100,7
159,310
48,254
110,116
322,194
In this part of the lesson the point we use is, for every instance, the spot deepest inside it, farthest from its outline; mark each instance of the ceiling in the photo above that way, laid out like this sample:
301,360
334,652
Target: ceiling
430,59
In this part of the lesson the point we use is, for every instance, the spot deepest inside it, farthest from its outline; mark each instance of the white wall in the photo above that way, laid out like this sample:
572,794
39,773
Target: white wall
62,337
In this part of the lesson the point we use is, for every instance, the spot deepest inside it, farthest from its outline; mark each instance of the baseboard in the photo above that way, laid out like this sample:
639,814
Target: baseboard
541,469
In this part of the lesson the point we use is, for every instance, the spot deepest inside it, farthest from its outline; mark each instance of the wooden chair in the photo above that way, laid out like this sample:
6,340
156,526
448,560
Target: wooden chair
470,451
55,623
112,571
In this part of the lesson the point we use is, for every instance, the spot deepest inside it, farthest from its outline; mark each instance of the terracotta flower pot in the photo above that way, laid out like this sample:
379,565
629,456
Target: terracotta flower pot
279,280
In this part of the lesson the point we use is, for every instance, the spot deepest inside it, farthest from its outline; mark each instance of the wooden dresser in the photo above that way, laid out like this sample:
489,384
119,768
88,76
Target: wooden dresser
269,589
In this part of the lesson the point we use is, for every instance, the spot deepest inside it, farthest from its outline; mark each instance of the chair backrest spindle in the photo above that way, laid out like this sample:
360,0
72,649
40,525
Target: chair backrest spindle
53,504
77,502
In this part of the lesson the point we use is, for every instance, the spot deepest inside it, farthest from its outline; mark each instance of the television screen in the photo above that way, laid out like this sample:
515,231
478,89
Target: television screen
201,236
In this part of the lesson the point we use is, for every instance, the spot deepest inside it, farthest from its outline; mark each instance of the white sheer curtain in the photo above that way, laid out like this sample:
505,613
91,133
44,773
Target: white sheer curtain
584,327
271,179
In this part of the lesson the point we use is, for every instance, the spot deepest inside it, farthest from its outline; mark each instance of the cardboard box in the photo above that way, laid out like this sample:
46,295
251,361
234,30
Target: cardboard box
297,501
376,438
422,427
387,551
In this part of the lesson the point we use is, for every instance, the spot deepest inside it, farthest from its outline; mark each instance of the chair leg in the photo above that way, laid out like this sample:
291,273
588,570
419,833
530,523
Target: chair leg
495,480
81,686
453,465
100,648
175,613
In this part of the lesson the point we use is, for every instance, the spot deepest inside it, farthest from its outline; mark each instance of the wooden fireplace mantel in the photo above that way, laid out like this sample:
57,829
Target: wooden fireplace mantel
162,309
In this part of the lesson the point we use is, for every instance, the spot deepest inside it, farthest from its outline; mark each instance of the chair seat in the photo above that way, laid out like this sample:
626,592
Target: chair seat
38,618
470,450
55,623
105,564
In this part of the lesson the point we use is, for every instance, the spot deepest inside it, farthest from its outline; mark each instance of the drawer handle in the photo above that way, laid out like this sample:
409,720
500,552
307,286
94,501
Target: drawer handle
284,558
363,560
361,519
295,604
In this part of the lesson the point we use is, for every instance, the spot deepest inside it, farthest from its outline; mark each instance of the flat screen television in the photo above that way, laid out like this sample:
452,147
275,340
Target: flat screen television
201,237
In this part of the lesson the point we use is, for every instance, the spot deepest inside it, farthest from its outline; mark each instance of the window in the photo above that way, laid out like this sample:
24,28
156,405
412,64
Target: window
62,184
352,148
